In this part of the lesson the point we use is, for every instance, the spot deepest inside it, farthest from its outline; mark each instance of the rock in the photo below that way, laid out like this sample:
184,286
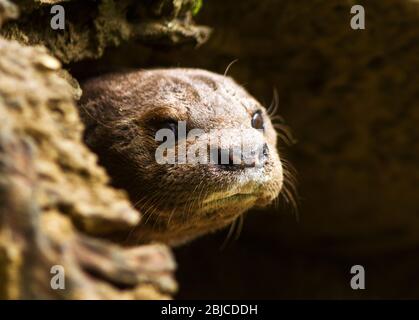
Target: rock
7,11
55,199
92,26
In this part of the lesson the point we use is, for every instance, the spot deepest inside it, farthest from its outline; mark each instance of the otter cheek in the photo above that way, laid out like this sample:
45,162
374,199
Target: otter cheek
273,186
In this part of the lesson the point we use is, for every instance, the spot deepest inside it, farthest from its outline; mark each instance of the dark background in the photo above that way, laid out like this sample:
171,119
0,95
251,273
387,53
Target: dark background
352,101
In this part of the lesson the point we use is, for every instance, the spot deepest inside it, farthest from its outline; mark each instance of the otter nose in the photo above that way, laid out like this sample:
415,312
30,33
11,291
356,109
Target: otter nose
228,159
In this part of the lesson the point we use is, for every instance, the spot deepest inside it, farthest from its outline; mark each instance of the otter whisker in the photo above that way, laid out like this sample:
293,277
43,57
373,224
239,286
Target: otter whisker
273,107
93,118
290,199
192,203
150,207
277,118
275,201
229,66
239,227
171,215
285,134
144,211
229,234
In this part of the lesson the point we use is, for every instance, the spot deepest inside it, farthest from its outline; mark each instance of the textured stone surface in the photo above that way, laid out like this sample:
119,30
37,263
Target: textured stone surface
91,26
54,197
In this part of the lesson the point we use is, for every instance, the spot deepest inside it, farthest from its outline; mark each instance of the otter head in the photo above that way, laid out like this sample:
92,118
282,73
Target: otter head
127,114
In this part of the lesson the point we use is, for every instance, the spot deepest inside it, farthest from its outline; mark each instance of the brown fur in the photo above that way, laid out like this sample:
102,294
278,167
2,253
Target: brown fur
120,112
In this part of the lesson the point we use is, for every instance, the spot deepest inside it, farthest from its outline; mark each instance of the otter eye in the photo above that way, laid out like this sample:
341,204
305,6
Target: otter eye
257,120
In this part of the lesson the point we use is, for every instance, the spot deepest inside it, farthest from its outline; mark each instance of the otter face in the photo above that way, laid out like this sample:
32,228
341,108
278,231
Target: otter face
182,200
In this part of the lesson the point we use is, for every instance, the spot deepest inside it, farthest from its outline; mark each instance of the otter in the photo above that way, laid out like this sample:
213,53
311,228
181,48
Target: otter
122,113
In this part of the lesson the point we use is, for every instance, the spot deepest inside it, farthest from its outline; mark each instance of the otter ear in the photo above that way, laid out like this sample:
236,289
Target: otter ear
97,111
93,136
95,118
